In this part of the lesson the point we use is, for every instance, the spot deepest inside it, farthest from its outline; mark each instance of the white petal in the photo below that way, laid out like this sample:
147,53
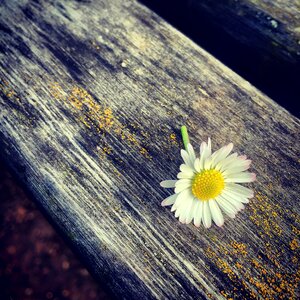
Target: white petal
237,162
191,152
235,196
173,207
184,175
198,213
216,212
208,163
191,213
186,211
209,146
186,169
182,197
168,183
205,153
239,189
182,206
202,147
182,184
178,212
237,204
226,206
184,180
197,165
206,216
241,177
186,158
221,154
237,169
170,200
225,162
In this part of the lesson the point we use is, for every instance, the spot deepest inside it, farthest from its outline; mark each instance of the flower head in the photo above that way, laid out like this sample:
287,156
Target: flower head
209,184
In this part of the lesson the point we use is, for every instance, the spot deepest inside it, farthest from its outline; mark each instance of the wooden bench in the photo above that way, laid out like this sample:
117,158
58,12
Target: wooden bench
260,40
272,27
93,94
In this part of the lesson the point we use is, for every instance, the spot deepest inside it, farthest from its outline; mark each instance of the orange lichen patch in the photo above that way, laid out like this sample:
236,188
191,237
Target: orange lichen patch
168,141
258,266
238,265
4,82
225,295
98,117
265,215
8,91
144,152
238,285
295,230
130,137
239,248
295,216
173,139
103,151
56,91
250,274
85,121
264,289
295,260
294,244
92,114
78,97
273,258
270,285
226,269
108,117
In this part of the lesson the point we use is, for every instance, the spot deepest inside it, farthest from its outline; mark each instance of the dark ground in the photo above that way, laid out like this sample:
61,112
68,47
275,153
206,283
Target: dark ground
35,263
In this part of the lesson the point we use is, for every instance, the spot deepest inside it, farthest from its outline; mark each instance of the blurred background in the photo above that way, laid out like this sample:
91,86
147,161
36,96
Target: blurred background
35,263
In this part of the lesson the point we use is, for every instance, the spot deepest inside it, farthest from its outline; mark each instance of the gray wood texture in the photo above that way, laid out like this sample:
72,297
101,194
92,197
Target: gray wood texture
93,94
272,27
260,40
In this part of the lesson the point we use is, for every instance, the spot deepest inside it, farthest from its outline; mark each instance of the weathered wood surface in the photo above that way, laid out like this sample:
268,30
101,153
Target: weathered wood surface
260,40
92,96
270,26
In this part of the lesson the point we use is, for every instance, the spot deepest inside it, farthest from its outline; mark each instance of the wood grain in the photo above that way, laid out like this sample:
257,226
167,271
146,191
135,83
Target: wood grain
93,94
271,27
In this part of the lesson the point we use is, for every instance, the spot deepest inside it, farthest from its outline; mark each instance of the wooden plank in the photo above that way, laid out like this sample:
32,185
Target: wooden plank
271,27
92,97
260,40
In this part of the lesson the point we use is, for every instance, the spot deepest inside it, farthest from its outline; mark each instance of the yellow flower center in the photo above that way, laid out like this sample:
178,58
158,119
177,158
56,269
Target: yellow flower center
208,184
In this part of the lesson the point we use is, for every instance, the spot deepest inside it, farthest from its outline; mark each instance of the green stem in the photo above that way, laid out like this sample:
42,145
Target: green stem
185,136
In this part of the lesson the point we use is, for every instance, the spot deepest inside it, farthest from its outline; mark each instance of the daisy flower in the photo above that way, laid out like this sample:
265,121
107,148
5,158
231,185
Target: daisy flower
209,184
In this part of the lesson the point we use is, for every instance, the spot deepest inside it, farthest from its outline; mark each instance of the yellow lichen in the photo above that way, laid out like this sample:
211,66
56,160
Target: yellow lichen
239,248
294,244
98,117
265,215
173,139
